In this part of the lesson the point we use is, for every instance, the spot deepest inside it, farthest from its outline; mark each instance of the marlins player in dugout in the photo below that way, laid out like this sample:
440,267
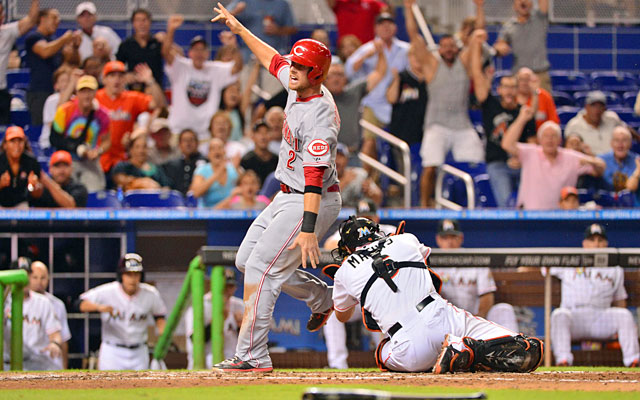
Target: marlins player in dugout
287,231
127,307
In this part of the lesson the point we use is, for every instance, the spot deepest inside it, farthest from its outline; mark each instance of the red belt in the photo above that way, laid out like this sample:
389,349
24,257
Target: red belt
287,189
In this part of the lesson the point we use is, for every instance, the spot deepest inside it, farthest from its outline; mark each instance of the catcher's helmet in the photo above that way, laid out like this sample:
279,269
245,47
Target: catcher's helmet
312,53
355,232
131,262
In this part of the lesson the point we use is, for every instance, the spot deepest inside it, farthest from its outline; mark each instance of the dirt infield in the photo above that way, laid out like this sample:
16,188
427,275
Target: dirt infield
545,380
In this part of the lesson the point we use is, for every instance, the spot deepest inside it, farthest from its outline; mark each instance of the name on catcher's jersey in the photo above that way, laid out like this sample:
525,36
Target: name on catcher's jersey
590,287
131,315
309,133
414,284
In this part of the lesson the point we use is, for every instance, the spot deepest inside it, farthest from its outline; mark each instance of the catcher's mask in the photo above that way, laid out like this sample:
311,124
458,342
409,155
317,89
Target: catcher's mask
355,232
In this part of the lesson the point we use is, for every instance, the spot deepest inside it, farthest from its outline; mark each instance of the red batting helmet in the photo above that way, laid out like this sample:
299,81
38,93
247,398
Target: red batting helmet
311,53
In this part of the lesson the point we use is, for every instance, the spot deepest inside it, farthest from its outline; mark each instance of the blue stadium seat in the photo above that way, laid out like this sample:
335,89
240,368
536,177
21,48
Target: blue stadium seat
612,98
270,187
21,118
563,99
19,92
629,99
569,81
15,76
103,199
454,188
153,198
476,116
628,116
190,200
585,195
566,113
625,199
614,81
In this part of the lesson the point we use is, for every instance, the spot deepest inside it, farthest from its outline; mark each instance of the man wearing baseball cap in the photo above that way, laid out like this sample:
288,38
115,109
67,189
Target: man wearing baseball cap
81,127
19,170
196,82
593,305
86,16
60,189
594,123
125,106
569,199
162,150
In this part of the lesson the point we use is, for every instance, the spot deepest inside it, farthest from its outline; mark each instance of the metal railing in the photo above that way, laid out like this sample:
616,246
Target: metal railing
404,180
468,183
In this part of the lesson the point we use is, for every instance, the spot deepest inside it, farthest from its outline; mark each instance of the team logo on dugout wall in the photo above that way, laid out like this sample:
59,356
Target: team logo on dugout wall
318,147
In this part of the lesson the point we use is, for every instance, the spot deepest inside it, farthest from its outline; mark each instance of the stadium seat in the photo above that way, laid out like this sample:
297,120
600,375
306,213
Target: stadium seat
566,113
628,116
15,76
625,199
190,200
476,116
103,199
612,98
454,189
21,118
569,81
270,187
614,81
629,99
563,99
153,198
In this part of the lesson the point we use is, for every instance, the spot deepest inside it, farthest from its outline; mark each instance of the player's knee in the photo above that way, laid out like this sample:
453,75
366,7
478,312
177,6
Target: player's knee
560,316
622,317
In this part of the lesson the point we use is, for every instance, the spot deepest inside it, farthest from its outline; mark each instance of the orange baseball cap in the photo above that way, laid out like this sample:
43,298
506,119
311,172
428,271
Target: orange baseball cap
567,191
13,132
60,156
113,66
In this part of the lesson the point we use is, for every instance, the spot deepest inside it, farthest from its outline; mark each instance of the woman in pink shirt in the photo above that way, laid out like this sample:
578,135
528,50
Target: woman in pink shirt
547,167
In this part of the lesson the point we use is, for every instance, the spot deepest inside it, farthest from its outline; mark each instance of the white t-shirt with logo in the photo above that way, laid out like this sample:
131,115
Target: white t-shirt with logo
8,35
61,314
39,321
463,287
195,93
127,325
589,287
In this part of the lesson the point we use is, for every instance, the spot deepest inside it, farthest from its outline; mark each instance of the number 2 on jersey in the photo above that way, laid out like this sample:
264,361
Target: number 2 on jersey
292,158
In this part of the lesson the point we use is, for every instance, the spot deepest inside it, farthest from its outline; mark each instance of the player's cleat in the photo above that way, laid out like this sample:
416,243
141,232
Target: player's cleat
235,364
452,360
317,320
562,363
635,364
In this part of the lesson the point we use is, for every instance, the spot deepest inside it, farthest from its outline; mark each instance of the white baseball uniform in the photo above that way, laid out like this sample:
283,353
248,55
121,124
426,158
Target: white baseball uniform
61,313
585,311
39,321
309,139
335,333
463,288
416,333
124,331
233,307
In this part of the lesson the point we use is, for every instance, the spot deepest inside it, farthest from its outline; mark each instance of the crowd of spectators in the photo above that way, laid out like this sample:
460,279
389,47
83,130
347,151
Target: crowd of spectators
142,113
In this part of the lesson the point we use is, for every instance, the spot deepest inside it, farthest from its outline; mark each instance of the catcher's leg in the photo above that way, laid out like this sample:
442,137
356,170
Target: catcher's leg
506,354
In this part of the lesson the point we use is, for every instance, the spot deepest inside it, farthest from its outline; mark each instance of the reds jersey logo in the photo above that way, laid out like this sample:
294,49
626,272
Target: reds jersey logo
318,147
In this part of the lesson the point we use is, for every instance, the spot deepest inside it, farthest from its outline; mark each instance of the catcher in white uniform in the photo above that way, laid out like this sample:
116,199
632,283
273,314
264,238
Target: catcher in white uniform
127,307
593,306
41,341
389,277
38,282
471,289
233,310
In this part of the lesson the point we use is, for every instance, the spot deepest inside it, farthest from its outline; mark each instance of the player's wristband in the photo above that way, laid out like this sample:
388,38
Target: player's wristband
309,222
313,189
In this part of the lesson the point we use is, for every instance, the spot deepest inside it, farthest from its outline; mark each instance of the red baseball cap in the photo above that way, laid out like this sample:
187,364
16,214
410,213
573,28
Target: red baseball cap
13,132
113,66
60,156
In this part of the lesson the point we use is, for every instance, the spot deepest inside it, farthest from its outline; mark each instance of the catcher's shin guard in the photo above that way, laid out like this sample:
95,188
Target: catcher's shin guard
506,354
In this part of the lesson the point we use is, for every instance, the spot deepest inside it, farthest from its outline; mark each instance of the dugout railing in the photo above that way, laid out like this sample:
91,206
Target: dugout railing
567,257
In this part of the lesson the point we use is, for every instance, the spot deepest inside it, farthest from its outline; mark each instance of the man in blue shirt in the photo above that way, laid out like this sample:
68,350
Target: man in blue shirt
623,166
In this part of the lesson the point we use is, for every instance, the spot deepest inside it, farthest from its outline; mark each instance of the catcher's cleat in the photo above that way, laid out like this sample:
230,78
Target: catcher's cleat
452,360
235,364
317,320
635,364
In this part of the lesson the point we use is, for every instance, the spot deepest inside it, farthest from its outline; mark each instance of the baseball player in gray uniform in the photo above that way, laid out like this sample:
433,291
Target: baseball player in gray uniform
38,282
127,307
287,231
399,295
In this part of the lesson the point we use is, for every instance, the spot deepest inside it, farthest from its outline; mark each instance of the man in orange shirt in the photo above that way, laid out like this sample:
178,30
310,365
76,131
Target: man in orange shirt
546,105
124,106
